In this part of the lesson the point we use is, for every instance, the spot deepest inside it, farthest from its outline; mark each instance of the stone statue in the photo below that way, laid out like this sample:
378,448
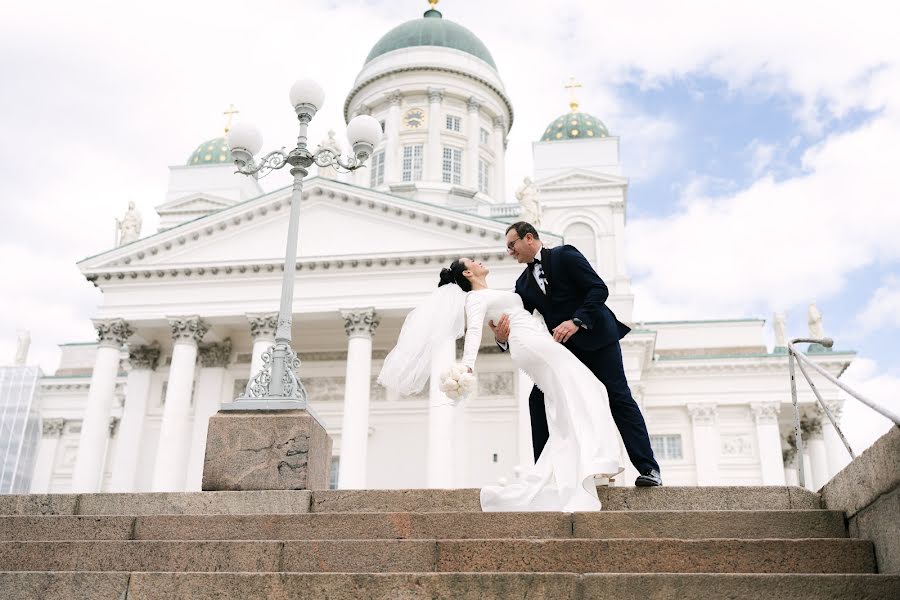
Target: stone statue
779,324
129,228
816,330
528,200
22,345
334,147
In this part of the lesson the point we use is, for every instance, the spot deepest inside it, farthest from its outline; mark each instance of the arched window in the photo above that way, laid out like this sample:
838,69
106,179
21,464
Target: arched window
582,236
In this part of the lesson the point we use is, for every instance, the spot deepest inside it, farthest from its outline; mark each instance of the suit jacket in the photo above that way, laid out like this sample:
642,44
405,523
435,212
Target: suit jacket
574,290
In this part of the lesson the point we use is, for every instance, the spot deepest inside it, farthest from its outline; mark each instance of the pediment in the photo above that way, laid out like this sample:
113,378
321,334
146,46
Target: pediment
195,203
336,220
580,178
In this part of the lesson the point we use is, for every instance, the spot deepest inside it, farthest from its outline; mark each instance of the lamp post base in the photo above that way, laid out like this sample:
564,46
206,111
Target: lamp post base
266,450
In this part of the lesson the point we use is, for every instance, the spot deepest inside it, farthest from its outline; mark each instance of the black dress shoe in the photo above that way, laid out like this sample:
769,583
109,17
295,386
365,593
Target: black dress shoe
649,479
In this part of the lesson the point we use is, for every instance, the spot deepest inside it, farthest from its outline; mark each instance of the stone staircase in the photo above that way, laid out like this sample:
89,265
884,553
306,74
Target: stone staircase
658,543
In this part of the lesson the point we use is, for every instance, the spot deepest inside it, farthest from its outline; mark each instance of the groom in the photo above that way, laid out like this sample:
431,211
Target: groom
565,289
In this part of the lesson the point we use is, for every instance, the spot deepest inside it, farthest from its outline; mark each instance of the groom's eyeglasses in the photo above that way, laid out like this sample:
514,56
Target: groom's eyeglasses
510,245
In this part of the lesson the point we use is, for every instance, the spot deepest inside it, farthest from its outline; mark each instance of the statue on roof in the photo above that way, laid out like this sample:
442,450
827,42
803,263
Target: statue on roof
528,199
129,228
780,326
814,318
332,145
22,345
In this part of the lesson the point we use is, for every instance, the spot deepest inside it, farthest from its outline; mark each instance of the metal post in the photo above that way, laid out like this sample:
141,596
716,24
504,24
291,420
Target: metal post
825,408
797,434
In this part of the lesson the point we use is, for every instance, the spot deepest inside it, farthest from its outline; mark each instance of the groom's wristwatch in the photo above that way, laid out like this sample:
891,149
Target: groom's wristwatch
579,323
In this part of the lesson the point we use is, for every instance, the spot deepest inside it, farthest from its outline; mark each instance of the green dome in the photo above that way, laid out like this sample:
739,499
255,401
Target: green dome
574,126
212,152
431,30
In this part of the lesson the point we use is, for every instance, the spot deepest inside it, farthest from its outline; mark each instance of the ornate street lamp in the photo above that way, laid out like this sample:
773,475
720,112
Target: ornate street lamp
276,386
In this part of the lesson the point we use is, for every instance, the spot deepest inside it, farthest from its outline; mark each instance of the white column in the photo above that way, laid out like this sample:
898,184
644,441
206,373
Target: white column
837,454
473,127
523,421
214,358
143,360
442,418
88,469
768,439
815,445
171,457
46,455
499,143
434,152
392,157
262,331
360,325
706,442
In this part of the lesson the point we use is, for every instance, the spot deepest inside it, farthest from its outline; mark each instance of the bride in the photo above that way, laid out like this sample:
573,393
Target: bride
583,440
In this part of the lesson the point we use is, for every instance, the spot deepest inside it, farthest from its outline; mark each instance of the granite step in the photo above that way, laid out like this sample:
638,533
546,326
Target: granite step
406,556
430,586
412,500
787,524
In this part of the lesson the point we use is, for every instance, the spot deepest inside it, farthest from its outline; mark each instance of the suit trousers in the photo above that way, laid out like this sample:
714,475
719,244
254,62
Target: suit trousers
606,364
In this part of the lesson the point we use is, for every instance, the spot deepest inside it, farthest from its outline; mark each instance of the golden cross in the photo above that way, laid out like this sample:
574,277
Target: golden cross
433,3
572,85
230,113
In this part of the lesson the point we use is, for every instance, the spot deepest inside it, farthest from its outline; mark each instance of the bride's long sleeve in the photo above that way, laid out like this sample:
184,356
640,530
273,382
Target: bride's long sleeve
476,308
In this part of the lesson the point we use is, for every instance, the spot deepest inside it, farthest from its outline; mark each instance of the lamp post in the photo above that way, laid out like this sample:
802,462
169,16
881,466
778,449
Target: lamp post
276,386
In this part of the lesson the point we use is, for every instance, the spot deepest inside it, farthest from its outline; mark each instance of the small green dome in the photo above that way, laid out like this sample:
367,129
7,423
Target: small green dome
212,152
574,126
431,30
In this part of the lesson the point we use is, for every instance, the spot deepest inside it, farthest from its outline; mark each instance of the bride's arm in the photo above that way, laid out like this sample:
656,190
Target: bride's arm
476,308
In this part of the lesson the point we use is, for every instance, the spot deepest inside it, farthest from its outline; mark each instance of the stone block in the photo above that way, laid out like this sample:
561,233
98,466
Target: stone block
880,523
419,500
785,524
38,504
65,528
359,556
196,503
266,450
657,556
722,586
871,474
701,498
344,586
63,586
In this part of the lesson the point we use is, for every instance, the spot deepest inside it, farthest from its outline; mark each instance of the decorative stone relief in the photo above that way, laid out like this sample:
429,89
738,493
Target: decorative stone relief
361,322
144,357
325,389
737,445
376,391
215,355
496,384
765,413
499,123
112,332
114,426
263,325
52,428
702,414
811,425
188,329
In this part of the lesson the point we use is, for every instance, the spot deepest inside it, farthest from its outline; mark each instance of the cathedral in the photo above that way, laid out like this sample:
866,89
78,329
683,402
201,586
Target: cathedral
187,311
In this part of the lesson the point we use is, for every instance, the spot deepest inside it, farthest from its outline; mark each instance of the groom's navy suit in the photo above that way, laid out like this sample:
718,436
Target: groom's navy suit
574,290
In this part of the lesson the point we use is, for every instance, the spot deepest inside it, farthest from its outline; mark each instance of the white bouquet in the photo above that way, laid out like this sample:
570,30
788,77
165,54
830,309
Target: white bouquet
457,383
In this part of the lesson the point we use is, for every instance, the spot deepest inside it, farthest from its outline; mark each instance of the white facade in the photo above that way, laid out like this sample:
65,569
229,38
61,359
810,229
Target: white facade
193,304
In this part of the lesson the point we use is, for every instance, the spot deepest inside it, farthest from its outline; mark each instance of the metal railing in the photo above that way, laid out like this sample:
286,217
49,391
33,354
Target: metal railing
796,357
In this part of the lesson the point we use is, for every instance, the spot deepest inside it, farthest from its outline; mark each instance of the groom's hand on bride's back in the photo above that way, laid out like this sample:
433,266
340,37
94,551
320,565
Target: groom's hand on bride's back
500,328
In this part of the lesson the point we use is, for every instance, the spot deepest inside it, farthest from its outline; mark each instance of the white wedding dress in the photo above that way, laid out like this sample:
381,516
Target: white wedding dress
583,440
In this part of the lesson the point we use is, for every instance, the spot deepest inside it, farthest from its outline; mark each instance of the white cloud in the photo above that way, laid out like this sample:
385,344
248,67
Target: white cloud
861,425
883,308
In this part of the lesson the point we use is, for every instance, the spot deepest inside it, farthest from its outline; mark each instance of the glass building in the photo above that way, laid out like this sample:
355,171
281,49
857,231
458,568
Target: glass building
20,427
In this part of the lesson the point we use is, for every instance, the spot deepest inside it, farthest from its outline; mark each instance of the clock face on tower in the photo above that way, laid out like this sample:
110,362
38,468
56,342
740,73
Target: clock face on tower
414,118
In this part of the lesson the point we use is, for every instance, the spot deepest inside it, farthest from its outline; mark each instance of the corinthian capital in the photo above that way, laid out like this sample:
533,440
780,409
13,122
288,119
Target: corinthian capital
702,414
394,97
52,428
435,95
765,413
215,355
188,329
473,104
112,332
263,325
499,123
144,357
361,322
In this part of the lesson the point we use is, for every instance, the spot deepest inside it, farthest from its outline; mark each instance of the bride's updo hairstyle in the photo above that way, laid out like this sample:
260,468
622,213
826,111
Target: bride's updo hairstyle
454,274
